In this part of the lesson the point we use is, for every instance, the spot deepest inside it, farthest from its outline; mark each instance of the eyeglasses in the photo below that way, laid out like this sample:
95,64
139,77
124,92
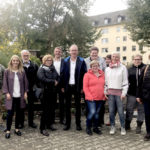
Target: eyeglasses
49,60
137,59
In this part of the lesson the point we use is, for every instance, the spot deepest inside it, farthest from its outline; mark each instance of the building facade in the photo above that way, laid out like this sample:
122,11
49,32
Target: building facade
115,37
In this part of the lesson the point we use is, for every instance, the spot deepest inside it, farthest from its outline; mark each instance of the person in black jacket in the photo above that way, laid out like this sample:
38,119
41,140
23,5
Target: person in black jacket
73,72
31,73
59,63
134,73
143,96
49,79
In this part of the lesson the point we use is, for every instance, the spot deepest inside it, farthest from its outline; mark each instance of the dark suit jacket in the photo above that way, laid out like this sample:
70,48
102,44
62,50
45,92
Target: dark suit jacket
80,70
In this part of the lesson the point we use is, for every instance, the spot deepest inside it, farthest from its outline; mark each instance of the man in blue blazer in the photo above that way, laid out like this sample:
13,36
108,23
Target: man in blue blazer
73,72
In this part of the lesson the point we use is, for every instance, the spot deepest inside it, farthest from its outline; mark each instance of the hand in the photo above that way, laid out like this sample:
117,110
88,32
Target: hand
139,100
122,97
56,83
8,96
106,97
63,90
25,96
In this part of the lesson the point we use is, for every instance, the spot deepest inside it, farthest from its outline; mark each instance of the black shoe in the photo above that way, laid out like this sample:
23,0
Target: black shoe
33,125
147,137
44,132
62,122
127,125
17,133
97,131
78,127
89,131
66,127
138,128
7,135
52,128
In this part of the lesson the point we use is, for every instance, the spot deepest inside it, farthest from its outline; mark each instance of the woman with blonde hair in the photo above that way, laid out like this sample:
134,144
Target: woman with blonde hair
49,79
93,87
15,86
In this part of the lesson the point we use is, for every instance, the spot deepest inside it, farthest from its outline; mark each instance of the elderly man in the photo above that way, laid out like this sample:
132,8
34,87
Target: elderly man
134,73
31,73
73,72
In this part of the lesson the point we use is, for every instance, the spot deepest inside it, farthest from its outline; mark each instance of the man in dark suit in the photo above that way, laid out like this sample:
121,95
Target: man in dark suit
58,63
73,72
31,73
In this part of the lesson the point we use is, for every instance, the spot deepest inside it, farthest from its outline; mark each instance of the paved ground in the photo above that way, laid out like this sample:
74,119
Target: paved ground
74,140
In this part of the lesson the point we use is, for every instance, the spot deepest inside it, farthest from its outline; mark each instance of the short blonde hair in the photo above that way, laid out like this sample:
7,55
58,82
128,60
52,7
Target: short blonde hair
20,65
94,62
46,57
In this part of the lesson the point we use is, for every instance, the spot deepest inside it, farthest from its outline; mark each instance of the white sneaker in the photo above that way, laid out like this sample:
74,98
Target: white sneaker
123,131
112,130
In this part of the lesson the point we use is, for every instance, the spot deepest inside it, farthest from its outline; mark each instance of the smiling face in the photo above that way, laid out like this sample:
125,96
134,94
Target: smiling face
74,51
137,60
115,58
57,53
25,56
49,62
94,54
15,62
95,67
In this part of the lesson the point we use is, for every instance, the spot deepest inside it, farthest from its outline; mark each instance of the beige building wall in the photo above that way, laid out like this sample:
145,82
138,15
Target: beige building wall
112,37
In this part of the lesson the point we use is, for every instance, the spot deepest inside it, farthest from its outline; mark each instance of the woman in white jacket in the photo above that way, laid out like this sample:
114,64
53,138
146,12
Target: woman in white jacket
116,86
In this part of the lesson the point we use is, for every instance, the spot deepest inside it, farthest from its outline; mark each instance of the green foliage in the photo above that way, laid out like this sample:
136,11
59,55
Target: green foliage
139,21
45,24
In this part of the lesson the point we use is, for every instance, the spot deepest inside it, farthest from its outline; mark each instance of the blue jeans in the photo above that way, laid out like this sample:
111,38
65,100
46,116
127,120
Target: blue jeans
115,102
147,115
93,112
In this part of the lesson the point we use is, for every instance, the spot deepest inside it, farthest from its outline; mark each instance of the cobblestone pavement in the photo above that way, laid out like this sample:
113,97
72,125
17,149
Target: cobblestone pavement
75,140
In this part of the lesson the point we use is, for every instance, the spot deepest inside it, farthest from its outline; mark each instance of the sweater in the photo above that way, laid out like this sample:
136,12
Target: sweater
116,78
93,86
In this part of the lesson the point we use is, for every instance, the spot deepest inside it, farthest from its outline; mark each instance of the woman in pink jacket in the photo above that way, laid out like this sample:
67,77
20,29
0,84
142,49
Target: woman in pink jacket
93,86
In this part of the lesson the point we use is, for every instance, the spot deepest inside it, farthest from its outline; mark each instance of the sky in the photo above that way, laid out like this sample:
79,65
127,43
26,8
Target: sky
105,6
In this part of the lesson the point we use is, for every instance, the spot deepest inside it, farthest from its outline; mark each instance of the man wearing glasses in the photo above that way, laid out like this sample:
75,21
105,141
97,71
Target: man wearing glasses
133,76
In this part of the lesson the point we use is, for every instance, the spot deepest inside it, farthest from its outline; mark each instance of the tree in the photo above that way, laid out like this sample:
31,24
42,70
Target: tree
44,24
139,21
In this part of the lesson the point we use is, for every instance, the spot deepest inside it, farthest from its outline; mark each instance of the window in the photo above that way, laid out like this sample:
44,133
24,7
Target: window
104,31
124,48
124,38
118,29
104,50
95,23
117,39
133,48
118,49
124,58
107,20
124,29
119,19
104,40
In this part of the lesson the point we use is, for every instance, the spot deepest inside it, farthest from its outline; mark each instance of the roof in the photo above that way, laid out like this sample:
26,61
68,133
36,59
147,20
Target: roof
110,18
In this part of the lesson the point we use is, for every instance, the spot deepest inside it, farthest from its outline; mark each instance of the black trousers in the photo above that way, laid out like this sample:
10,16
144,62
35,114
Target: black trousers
48,109
72,90
10,114
61,97
147,115
30,108
102,113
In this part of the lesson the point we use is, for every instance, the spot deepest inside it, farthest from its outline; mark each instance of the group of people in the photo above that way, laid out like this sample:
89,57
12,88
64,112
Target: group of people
96,78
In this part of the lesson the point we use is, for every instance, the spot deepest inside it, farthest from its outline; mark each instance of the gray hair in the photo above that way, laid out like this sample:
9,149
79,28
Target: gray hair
25,50
138,55
114,52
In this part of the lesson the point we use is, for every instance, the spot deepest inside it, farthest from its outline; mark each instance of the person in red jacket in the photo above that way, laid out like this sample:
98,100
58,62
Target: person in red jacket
93,87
